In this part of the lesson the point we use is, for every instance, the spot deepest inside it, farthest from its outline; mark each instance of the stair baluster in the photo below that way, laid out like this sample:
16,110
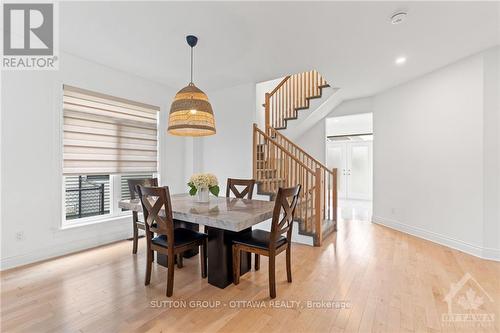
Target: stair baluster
280,163
291,94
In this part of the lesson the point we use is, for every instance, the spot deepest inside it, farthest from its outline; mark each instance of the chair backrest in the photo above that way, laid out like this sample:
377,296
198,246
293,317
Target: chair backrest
284,210
246,191
153,200
132,183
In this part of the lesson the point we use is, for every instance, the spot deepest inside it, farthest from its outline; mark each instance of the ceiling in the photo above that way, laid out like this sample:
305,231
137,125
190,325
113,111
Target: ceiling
351,43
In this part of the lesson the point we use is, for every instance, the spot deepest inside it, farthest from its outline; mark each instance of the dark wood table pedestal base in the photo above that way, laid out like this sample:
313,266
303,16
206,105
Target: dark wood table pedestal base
220,257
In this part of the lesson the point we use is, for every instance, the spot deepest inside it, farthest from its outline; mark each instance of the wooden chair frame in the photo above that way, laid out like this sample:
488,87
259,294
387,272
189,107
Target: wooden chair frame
154,200
136,223
281,223
247,191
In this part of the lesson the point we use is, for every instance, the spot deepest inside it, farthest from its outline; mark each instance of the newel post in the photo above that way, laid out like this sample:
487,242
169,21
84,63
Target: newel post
254,164
317,207
267,115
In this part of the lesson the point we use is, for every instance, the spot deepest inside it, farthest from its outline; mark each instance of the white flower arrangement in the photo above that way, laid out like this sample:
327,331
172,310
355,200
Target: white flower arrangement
201,181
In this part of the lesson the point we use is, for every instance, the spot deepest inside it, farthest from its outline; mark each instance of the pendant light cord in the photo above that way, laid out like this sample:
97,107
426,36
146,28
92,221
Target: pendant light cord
191,64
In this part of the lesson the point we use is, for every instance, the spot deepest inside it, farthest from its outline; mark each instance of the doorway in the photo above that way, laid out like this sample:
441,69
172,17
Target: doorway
353,160
349,149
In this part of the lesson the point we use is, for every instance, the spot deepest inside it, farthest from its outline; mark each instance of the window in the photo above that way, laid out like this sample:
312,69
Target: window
107,140
86,196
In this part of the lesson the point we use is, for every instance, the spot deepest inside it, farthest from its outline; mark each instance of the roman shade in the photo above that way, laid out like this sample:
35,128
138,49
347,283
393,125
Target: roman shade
108,135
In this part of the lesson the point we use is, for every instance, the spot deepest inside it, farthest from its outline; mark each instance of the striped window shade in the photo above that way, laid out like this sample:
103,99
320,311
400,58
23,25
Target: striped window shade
108,135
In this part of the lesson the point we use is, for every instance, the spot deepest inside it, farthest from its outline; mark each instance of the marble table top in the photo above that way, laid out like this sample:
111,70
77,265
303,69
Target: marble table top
221,212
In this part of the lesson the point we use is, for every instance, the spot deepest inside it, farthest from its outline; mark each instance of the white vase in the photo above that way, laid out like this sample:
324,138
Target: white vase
202,195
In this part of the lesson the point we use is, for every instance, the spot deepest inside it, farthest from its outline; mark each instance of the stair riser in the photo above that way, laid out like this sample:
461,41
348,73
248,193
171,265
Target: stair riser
270,169
303,103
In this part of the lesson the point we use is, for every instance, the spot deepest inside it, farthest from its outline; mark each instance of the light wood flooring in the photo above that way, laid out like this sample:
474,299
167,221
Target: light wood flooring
393,282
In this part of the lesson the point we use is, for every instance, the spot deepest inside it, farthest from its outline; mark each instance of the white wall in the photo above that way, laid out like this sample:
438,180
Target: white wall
430,168
31,191
261,89
491,138
313,140
229,152
352,107
349,125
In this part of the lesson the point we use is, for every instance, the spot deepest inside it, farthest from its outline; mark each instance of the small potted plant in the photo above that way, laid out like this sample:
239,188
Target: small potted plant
201,184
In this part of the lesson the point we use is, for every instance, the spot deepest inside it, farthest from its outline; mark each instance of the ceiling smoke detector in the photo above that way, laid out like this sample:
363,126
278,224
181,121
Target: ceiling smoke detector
398,18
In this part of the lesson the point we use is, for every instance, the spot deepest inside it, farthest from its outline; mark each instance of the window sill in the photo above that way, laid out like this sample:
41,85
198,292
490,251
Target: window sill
91,221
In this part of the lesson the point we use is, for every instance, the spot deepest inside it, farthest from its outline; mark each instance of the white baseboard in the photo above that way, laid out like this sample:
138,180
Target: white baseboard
62,249
477,251
490,254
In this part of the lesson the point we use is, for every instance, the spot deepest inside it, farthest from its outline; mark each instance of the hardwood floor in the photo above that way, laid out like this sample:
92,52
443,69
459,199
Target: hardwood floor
393,282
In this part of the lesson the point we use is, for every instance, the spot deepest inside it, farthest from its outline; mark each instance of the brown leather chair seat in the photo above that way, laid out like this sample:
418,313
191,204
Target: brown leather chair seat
181,237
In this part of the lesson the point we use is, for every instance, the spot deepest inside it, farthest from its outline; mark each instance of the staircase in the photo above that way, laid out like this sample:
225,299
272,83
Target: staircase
279,162
292,94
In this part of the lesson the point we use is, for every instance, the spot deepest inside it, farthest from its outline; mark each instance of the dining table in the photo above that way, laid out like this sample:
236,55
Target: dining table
223,218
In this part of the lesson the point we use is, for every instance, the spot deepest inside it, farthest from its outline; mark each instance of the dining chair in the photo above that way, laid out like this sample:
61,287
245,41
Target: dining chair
246,191
271,243
171,241
136,223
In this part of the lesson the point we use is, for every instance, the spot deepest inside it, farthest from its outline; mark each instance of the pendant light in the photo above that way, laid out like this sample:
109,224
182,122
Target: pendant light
191,113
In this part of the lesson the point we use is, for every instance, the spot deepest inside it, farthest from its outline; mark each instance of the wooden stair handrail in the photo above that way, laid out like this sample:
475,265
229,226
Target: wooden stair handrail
321,165
285,151
269,95
277,164
279,85
293,93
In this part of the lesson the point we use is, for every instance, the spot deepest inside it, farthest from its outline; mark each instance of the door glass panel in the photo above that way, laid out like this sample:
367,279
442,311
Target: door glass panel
335,158
359,178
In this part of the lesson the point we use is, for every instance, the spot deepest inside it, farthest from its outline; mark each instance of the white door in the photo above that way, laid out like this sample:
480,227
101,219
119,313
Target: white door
336,157
353,161
359,170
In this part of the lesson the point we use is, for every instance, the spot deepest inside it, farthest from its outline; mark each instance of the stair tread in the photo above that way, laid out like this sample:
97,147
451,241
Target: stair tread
269,177
301,107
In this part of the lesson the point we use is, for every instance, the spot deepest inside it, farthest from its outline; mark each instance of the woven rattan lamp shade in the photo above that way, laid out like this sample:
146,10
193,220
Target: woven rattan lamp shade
191,113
